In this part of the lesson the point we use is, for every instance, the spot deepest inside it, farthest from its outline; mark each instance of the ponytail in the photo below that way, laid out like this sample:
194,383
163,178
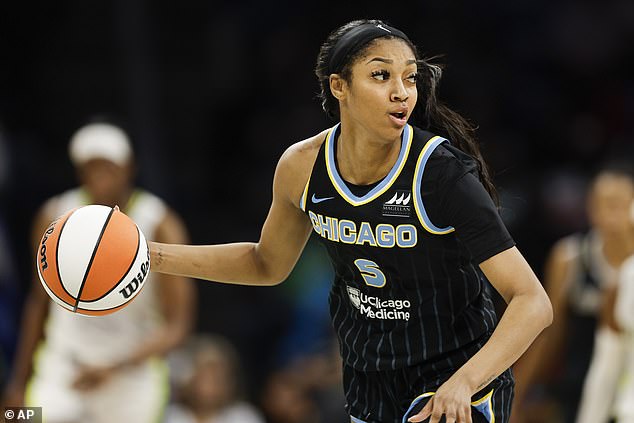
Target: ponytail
440,119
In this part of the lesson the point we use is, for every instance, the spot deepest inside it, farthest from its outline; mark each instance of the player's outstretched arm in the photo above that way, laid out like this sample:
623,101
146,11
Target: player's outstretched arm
176,296
270,260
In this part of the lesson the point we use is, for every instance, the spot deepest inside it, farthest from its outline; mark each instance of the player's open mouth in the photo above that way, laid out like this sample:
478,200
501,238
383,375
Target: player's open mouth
400,118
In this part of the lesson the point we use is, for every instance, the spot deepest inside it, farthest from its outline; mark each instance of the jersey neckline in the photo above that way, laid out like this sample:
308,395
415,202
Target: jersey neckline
84,195
382,186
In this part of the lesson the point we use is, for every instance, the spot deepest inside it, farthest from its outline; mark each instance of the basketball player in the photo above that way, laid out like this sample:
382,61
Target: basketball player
106,368
608,389
581,268
623,313
412,233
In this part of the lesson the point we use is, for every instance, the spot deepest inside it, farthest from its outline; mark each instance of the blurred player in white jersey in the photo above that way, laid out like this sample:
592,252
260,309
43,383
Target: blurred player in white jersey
107,368
608,391
624,316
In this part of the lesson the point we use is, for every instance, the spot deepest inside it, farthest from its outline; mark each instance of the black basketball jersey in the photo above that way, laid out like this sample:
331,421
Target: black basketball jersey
407,288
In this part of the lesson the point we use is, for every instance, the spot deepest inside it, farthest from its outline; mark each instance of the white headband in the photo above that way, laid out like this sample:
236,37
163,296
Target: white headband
100,141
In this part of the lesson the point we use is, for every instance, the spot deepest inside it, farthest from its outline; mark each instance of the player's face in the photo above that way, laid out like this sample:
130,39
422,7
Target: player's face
106,182
610,204
382,92
211,385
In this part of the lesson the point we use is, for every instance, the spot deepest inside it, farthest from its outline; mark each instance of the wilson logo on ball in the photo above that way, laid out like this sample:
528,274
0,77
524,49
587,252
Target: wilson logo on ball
137,281
93,260
48,232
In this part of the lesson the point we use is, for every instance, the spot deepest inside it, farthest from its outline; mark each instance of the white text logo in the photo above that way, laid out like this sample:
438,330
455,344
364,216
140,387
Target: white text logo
377,308
398,205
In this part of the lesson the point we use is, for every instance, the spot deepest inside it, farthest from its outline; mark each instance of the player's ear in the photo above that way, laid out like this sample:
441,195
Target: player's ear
337,86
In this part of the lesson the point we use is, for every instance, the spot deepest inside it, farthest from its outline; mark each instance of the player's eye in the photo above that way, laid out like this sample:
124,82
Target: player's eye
413,78
381,75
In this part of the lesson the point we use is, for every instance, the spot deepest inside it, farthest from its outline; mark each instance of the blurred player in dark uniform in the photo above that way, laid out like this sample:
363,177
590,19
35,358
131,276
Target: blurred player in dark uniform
580,269
413,234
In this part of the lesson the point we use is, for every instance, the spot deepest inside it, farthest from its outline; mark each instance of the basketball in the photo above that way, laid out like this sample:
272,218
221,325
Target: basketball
93,260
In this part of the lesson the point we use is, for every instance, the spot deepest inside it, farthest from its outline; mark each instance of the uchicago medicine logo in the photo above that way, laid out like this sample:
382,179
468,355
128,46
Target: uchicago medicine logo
377,308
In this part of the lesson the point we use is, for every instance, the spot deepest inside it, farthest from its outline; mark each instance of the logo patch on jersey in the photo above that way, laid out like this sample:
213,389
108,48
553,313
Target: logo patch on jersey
372,307
399,205
316,200
353,293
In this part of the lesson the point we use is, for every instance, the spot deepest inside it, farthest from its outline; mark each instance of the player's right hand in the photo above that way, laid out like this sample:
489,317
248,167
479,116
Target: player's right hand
452,400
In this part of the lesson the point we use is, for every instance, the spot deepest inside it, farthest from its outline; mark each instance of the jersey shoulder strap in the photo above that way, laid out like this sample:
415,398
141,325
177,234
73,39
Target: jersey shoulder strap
319,171
426,144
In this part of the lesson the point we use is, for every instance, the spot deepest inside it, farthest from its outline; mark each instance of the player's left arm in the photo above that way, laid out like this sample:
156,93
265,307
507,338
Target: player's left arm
464,204
528,312
177,307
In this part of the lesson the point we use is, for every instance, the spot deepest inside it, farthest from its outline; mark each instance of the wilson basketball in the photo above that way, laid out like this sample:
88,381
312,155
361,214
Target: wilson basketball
93,260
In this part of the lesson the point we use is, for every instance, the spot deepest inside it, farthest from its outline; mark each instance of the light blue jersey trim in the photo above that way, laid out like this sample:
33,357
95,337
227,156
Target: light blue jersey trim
355,420
384,185
415,403
484,405
418,177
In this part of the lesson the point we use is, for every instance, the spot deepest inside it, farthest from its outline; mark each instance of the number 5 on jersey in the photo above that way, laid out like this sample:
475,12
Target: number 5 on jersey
371,273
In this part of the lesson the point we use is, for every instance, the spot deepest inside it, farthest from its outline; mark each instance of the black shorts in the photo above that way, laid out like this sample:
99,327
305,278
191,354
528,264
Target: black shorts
393,396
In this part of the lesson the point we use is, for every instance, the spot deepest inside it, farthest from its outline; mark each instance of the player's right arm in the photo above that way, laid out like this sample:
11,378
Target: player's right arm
34,315
283,237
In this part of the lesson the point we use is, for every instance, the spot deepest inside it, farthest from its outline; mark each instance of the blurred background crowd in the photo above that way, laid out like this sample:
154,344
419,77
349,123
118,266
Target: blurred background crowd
211,93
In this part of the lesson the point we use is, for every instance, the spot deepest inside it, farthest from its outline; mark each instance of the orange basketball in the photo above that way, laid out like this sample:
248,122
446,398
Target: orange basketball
93,260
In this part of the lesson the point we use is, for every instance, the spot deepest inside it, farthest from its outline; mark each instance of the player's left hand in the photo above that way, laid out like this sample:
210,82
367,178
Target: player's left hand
452,400
90,378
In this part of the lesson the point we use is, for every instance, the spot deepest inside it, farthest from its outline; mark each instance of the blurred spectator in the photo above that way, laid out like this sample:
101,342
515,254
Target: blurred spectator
307,383
580,269
209,389
106,368
308,390
286,401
